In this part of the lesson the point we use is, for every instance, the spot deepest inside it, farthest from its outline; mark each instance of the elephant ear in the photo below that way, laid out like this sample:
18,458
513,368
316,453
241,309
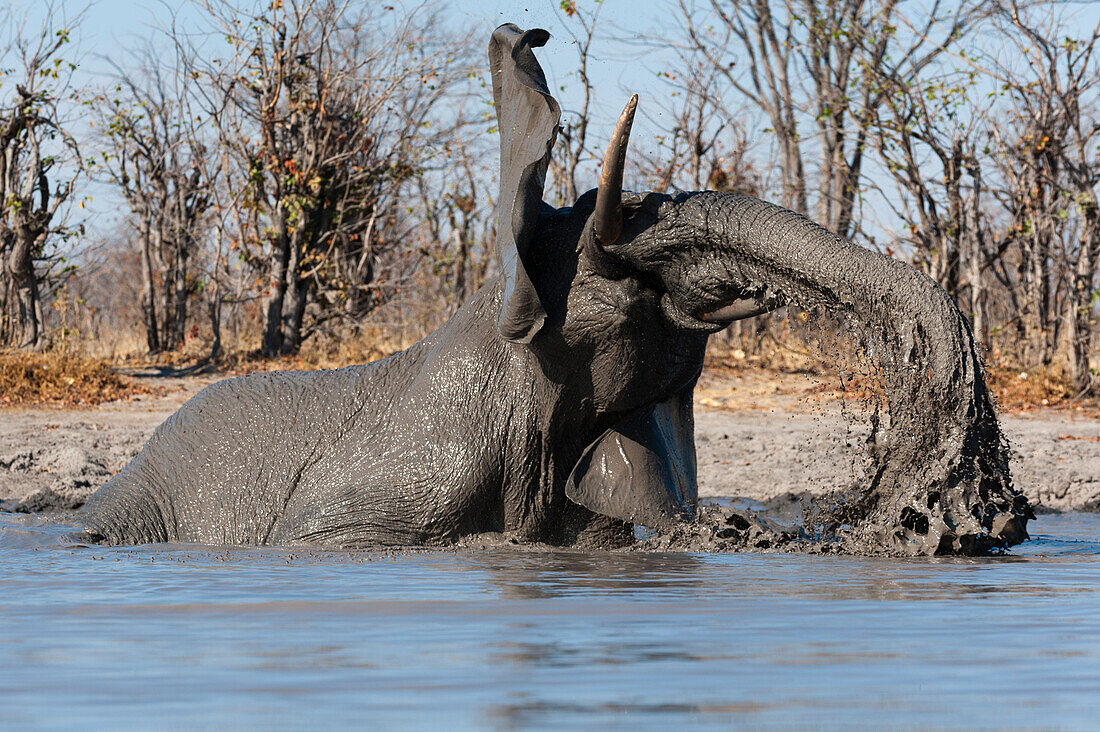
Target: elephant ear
527,117
642,470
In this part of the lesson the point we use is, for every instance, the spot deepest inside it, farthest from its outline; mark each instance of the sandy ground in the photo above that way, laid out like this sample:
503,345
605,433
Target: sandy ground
758,438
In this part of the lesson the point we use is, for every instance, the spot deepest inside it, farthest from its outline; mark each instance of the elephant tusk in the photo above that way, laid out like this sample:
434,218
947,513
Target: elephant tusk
739,310
608,217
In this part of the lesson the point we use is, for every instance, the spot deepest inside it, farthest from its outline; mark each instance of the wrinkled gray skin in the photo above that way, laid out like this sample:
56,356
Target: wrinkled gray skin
556,403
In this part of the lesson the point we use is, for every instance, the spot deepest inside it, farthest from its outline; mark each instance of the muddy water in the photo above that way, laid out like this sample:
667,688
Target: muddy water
131,637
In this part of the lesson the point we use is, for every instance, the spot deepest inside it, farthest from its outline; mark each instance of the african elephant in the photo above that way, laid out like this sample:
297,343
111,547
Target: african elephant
556,404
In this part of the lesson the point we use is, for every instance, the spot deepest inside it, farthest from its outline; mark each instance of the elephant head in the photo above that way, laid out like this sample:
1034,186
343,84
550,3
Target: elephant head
617,294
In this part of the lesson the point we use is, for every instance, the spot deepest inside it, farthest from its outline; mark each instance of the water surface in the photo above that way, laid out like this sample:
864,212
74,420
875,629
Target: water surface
184,637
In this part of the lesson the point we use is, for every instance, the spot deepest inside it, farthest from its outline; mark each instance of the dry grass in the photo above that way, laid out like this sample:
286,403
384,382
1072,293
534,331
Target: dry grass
239,355
1025,389
60,378
78,371
353,345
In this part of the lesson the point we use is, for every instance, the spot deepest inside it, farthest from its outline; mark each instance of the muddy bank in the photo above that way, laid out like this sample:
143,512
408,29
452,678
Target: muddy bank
760,442
56,458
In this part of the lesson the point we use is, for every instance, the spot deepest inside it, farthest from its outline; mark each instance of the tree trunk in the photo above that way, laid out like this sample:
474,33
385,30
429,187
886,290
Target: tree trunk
5,319
25,284
167,314
1081,321
295,306
273,302
7,291
977,291
148,295
973,255
462,262
179,295
214,311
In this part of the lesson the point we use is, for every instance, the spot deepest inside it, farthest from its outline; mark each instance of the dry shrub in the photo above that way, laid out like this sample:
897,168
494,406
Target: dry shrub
736,381
1024,388
60,378
354,344
776,356
801,342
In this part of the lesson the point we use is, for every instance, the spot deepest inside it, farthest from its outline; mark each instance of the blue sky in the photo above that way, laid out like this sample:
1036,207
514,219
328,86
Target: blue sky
111,25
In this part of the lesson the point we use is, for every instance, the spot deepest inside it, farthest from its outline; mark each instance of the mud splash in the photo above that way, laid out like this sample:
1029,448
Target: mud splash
726,530
721,529
939,480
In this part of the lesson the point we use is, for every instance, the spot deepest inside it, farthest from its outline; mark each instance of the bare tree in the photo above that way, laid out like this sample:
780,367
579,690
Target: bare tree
327,109
768,47
458,216
1048,156
763,49
572,149
929,134
706,147
40,164
157,158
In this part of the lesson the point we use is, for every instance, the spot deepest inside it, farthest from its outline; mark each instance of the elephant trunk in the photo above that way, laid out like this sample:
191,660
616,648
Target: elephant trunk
940,483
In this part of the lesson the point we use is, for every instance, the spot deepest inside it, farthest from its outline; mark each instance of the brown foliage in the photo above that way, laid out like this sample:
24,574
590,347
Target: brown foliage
60,378
1038,387
348,347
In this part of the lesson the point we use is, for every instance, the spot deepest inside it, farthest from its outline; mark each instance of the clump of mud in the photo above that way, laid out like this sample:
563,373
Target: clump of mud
722,529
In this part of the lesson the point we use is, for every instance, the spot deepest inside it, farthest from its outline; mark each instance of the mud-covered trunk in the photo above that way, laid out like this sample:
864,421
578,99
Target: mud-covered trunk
940,481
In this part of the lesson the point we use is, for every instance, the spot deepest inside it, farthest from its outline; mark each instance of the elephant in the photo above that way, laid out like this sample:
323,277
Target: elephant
555,405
